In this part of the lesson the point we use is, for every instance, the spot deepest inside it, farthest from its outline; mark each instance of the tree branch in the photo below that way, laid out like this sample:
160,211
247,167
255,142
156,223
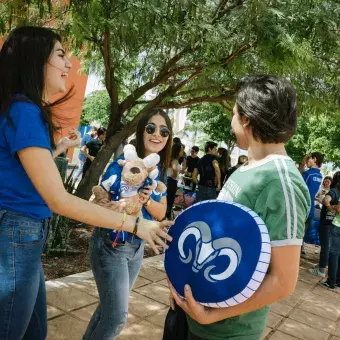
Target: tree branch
111,85
162,76
220,7
224,10
201,89
192,101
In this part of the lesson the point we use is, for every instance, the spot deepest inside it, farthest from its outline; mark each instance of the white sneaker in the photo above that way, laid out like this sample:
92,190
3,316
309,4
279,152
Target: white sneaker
316,272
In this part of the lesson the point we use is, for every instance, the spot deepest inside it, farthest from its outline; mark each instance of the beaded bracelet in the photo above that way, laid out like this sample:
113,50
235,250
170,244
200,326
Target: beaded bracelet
115,242
135,229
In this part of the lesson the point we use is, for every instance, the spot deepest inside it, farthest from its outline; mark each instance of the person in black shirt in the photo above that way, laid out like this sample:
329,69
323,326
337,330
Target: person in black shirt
191,164
91,149
241,160
192,160
326,217
210,175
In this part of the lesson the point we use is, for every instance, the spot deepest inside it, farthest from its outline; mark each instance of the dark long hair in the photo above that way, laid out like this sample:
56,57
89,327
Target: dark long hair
23,60
223,161
336,181
166,152
175,150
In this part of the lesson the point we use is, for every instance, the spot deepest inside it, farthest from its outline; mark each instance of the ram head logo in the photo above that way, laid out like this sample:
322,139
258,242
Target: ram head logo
208,249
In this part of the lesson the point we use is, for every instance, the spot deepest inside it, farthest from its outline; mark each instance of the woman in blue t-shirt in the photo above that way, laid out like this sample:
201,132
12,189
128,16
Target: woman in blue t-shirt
116,267
34,67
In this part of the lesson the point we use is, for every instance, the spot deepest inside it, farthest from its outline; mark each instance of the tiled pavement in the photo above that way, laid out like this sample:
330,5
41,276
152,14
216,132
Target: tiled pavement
311,313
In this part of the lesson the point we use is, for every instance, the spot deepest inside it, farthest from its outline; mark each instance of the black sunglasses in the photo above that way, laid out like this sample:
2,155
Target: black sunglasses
163,131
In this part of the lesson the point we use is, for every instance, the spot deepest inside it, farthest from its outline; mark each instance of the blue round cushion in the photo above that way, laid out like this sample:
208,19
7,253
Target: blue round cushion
221,249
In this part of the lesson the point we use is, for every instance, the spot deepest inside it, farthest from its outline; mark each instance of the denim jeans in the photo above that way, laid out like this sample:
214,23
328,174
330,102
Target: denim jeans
334,257
79,171
115,271
324,234
23,311
205,193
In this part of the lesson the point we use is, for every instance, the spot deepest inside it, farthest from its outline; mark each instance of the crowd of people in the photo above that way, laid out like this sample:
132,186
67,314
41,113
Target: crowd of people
204,176
33,68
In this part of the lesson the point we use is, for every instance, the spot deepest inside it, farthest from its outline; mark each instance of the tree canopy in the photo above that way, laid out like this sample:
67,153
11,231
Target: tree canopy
316,133
213,120
96,107
175,53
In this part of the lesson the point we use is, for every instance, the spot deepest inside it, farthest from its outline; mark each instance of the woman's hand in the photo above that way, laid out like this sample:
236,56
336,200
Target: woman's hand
69,142
144,194
154,232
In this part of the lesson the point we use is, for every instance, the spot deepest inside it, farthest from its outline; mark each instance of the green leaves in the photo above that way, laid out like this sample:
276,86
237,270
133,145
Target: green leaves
316,132
213,121
96,108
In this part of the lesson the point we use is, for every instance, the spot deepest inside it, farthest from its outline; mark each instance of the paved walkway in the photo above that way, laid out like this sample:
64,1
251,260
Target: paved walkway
311,313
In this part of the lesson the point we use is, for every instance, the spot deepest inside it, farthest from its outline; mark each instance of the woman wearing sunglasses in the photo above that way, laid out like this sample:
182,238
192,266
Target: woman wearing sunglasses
116,268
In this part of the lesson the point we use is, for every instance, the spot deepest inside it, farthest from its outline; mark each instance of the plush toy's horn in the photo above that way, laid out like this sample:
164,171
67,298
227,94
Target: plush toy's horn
130,153
151,160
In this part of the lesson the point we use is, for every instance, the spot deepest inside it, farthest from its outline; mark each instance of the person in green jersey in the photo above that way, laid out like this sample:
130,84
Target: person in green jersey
264,118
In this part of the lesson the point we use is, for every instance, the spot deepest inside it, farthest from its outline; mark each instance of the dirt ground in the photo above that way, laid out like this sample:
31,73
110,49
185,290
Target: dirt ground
57,265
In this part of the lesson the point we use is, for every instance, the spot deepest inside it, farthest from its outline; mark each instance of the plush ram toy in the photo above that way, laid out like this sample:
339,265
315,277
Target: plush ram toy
136,174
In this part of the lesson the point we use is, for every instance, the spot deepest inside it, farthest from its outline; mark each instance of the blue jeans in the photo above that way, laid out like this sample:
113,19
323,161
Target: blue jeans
115,271
23,312
334,257
324,234
79,170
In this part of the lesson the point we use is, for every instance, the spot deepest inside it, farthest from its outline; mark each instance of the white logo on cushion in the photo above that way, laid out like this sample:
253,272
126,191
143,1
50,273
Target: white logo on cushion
207,250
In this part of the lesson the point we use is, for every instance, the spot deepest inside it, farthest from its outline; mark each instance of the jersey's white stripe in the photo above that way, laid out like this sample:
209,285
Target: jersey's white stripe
289,223
290,242
292,194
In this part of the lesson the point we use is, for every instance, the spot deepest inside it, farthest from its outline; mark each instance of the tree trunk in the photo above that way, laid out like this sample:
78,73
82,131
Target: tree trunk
230,148
97,167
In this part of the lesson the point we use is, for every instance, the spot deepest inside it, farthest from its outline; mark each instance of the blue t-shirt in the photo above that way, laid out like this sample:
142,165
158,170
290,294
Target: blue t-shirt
17,192
86,139
313,179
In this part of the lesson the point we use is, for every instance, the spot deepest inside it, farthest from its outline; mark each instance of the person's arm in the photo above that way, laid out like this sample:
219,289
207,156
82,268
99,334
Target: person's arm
303,164
175,167
66,143
327,203
319,196
184,165
45,177
156,209
279,283
217,174
194,176
84,150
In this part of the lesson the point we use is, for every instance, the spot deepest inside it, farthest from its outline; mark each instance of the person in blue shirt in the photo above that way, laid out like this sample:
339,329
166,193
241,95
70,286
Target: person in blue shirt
115,260
313,179
88,137
33,68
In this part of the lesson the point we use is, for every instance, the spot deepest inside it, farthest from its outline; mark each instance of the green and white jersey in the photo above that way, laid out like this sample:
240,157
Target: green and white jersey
276,191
